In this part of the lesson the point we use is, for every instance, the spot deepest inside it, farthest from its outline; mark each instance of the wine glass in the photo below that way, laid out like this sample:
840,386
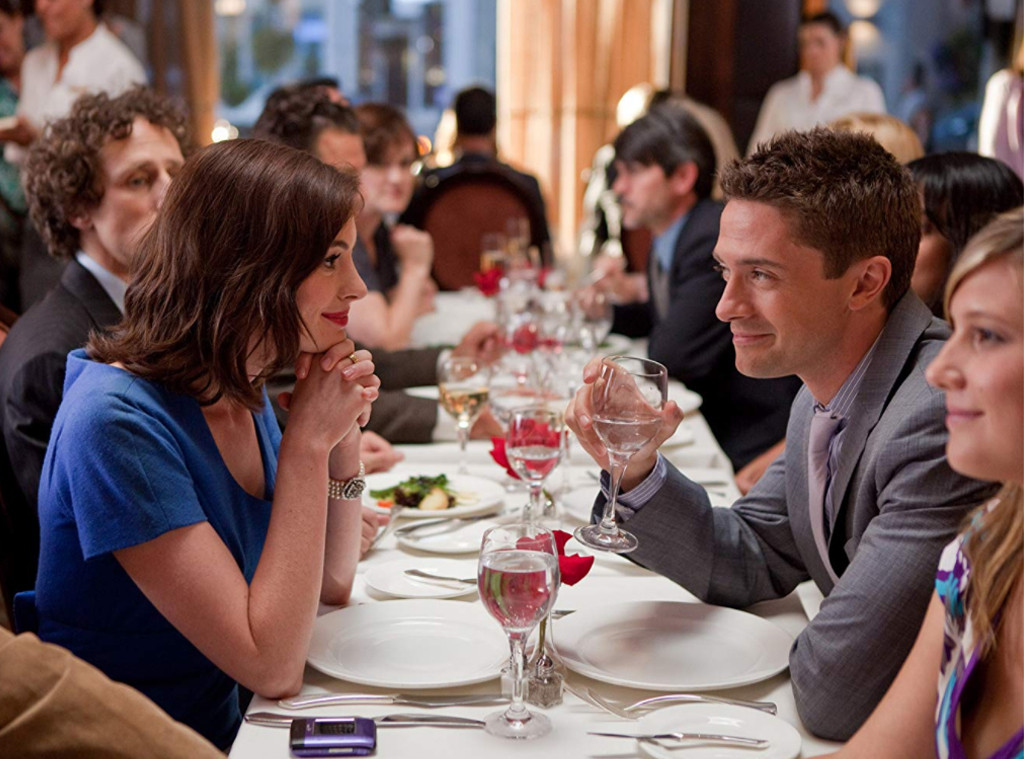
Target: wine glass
463,386
518,580
596,315
627,399
533,445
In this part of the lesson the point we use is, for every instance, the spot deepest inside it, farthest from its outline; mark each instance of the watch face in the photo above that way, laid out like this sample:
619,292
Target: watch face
354,488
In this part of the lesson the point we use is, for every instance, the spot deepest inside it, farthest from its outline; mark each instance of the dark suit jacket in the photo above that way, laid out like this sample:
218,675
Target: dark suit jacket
32,365
899,504
746,415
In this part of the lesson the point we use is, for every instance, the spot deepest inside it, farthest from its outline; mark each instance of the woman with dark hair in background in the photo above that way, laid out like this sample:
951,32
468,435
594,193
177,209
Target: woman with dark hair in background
960,192
393,259
185,542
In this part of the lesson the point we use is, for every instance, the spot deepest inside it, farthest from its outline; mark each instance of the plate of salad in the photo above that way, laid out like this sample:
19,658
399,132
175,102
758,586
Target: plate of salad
427,492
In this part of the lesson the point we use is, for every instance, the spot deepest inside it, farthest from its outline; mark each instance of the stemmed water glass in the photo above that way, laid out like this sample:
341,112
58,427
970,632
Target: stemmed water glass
463,384
595,320
627,400
533,445
518,580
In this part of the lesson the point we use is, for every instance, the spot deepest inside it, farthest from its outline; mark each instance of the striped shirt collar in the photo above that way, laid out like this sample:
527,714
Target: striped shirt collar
843,400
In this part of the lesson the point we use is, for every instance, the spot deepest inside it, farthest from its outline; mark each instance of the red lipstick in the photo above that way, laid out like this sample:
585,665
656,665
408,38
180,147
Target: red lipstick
338,317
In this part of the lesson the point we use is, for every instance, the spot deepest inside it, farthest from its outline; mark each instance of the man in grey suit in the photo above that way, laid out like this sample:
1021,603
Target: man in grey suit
817,246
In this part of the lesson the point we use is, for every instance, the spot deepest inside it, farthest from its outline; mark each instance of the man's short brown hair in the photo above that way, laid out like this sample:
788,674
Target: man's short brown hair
841,193
63,174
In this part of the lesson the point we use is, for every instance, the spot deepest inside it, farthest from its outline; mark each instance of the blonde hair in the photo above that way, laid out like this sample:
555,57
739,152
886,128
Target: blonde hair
888,131
994,540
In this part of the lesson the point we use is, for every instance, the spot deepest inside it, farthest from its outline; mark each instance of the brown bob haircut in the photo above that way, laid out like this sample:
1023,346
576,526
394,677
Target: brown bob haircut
64,172
841,193
383,127
243,224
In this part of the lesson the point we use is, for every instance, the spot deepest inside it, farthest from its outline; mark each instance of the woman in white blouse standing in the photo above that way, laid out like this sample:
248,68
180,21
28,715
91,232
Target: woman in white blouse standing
824,89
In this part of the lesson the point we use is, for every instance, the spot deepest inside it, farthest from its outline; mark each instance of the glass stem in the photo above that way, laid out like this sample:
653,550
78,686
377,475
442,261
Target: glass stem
566,464
463,431
516,711
535,508
617,468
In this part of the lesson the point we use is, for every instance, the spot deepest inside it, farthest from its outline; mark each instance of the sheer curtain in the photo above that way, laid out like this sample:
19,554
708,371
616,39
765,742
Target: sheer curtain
562,66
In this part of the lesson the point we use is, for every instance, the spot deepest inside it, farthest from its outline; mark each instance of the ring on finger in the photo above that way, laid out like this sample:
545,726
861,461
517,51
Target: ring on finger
353,357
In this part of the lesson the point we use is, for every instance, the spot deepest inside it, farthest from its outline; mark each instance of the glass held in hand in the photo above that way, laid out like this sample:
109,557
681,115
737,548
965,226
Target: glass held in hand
518,579
463,389
627,400
533,445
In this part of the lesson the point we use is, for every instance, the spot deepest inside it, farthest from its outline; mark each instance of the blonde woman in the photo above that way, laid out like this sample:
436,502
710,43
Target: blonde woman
889,132
973,633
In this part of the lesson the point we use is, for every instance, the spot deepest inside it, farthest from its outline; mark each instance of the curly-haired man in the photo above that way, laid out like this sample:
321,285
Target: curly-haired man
94,182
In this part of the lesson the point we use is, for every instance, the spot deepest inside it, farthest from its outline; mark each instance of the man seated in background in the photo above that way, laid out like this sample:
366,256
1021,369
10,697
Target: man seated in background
309,120
664,166
94,183
817,245
476,123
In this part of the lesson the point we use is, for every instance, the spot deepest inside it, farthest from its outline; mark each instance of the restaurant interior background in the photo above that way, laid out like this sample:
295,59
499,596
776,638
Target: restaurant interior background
560,66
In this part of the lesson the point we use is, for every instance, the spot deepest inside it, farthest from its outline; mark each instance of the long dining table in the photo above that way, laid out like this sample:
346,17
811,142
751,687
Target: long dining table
612,580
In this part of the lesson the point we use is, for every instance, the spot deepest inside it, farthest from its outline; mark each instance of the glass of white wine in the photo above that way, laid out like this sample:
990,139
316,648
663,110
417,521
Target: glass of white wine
463,384
628,397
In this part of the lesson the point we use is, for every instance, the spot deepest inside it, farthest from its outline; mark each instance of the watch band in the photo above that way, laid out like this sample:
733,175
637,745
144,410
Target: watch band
347,489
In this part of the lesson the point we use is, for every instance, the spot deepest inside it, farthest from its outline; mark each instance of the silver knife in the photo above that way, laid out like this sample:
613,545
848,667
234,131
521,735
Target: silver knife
274,719
427,702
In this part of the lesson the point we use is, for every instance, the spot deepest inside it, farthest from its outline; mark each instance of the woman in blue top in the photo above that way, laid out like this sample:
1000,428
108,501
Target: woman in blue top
973,632
185,543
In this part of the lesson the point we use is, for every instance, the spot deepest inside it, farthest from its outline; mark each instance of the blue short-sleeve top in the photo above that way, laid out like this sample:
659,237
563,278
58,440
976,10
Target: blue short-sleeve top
129,460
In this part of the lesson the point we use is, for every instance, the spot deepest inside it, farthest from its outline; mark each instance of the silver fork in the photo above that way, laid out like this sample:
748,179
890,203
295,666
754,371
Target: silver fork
629,711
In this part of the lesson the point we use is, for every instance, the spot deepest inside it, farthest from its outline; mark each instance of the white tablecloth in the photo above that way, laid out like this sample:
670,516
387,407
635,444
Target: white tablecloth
611,579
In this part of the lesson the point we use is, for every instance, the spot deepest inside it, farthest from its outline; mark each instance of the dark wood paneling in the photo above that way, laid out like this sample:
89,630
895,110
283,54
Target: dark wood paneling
736,50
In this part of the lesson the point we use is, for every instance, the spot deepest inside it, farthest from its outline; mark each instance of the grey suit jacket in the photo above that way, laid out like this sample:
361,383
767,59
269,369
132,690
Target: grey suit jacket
900,503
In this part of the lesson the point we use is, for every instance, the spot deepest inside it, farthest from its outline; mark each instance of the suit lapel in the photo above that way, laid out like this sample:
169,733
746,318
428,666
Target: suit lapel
77,280
908,320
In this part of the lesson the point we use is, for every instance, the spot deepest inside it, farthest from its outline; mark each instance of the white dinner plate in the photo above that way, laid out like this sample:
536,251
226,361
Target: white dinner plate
474,495
669,645
687,400
615,344
391,578
407,644
453,538
785,741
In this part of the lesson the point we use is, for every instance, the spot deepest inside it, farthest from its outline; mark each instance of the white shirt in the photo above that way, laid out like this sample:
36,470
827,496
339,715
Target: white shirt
112,284
788,104
99,63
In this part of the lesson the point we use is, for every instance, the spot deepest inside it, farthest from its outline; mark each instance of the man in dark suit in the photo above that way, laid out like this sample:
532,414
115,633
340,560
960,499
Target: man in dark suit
476,121
817,245
94,183
664,164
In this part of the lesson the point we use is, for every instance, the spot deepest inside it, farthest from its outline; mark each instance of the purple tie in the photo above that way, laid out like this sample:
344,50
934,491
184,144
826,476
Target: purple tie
823,427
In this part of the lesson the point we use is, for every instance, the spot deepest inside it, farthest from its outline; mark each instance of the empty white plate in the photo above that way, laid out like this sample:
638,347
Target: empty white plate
723,719
451,538
409,644
391,578
670,645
